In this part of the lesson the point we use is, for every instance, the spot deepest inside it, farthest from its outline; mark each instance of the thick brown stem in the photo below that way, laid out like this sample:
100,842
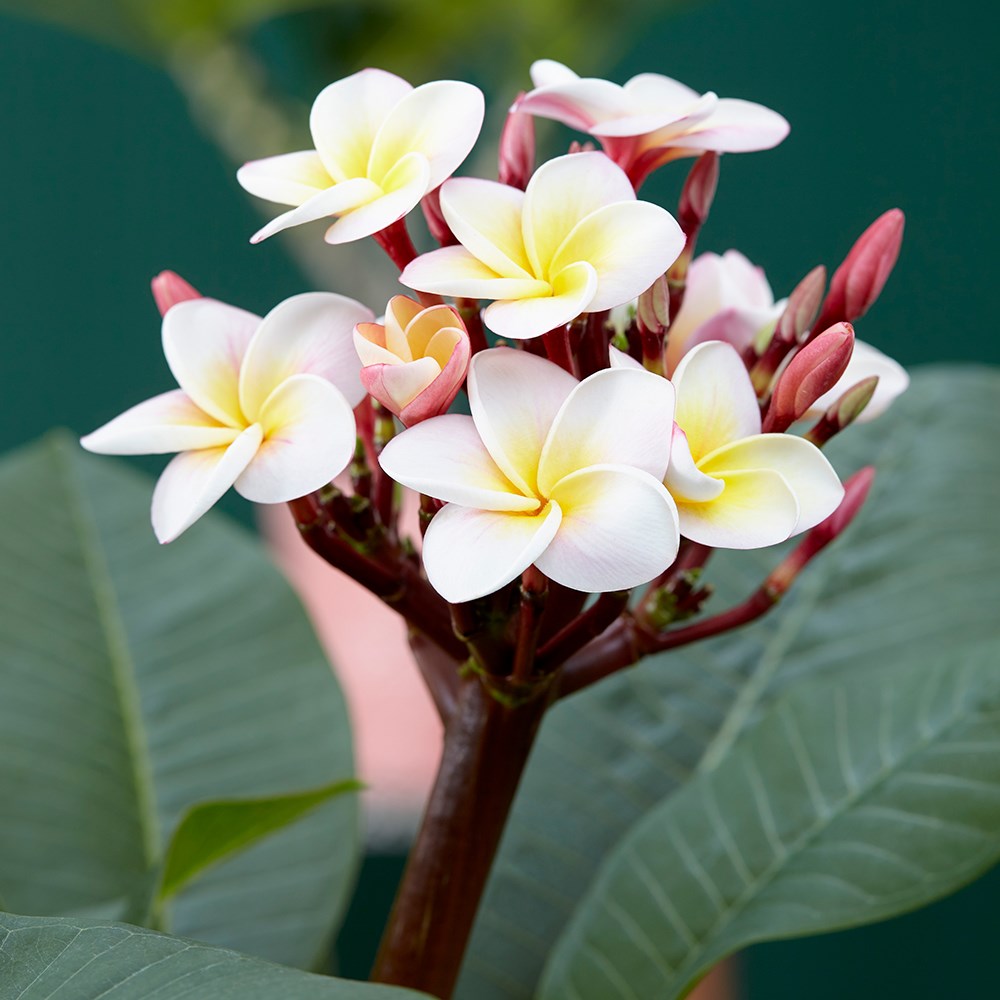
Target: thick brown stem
486,746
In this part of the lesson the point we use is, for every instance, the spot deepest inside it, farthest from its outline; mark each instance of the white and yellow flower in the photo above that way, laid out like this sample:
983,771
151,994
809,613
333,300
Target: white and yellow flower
265,405
575,241
381,145
549,471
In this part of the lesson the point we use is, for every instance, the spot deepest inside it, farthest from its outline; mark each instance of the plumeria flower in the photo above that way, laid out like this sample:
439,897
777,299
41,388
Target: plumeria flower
547,470
381,145
736,488
416,362
652,119
264,405
575,241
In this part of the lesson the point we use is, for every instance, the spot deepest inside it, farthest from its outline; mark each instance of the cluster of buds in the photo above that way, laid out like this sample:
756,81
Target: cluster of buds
594,459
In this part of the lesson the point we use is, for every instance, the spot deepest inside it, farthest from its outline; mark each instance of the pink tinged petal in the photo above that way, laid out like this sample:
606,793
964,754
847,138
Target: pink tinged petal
648,91
737,126
572,293
748,284
755,509
309,436
370,351
802,466
561,193
455,271
619,529
471,553
716,403
545,72
395,386
194,481
440,120
486,219
401,191
306,334
617,416
347,115
649,114
865,362
441,393
629,244
343,197
289,179
579,103
732,326
514,398
161,425
684,480
204,342
445,458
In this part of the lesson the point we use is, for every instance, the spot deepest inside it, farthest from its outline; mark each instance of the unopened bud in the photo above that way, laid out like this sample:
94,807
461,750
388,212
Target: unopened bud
440,230
653,308
859,281
698,192
517,148
844,411
170,288
581,147
814,370
803,304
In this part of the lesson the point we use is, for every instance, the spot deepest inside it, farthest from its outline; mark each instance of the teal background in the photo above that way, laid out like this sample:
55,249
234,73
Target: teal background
106,181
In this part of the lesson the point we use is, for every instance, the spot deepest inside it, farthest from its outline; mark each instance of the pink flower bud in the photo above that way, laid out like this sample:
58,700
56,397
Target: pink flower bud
814,370
170,288
415,364
517,148
859,281
803,304
698,192
440,230
653,309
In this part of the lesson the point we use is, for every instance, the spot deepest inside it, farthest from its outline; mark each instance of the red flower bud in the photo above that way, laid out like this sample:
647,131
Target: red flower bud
440,230
803,304
169,289
698,192
517,148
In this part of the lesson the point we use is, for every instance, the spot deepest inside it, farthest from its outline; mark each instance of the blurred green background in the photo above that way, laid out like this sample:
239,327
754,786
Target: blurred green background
123,121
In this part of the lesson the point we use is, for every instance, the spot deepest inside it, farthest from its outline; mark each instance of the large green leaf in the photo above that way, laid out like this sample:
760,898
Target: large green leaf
852,801
138,680
62,957
915,575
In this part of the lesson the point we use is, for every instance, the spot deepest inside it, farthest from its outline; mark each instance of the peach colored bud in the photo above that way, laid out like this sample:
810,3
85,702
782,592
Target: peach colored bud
170,288
440,230
517,148
859,281
698,192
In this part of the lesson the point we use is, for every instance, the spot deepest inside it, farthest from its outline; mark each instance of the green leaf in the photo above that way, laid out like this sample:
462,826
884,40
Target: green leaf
210,832
852,801
914,576
139,680
42,958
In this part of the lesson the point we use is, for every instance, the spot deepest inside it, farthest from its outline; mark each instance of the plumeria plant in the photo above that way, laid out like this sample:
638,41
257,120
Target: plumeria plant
588,415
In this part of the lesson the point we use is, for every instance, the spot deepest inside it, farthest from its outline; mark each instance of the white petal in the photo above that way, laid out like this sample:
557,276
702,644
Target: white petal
619,529
648,114
204,342
619,359
445,458
402,383
801,464
166,423
747,283
617,416
486,219
755,509
309,437
311,333
629,244
560,193
347,115
514,398
737,127
865,362
471,553
579,103
684,479
290,179
716,403
648,91
454,271
194,481
342,197
572,293
441,120
545,72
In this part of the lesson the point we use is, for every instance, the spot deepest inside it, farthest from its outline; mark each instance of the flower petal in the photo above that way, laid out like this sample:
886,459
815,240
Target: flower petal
716,402
575,101
471,553
166,423
194,481
204,342
342,197
397,385
684,480
619,529
647,91
865,362
440,120
617,416
514,398
755,509
441,393
310,333
455,271
309,437
445,458
347,115
801,464
629,244
545,72
736,126
572,293
289,179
